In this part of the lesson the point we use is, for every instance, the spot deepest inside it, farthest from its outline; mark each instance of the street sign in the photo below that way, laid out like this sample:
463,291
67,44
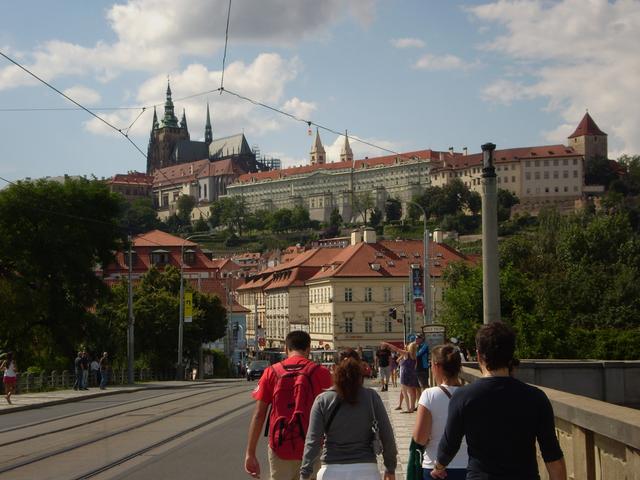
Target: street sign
419,305
434,334
188,307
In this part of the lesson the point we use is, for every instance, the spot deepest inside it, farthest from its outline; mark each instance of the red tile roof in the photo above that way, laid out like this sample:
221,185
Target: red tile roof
587,126
131,178
186,172
364,163
504,156
157,238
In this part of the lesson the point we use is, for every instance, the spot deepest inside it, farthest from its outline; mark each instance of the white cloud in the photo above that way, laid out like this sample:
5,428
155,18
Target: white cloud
407,43
585,56
299,108
441,62
82,94
263,80
154,35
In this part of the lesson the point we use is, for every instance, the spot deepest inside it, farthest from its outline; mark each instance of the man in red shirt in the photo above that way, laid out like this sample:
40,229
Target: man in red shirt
298,346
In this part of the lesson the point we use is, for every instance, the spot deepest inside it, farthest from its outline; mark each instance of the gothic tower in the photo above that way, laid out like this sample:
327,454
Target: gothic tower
208,132
589,140
318,155
165,135
346,154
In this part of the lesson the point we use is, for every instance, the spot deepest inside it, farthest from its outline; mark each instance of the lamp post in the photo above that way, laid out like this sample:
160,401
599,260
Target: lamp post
425,256
179,369
490,266
130,322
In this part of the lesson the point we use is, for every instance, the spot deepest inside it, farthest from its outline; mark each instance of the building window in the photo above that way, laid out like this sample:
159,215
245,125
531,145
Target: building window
506,179
527,163
556,189
537,175
555,162
368,325
575,161
368,294
513,178
527,176
565,161
566,189
189,257
546,163
388,326
205,190
348,324
133,258
537,163
159,257
575,174
165,200
387,294
565,174
546,175
348,295
556,174
546,189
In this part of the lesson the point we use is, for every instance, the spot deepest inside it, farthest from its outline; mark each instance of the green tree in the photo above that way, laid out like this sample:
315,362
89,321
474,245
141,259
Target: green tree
376,217
599,171
185,204
363,203
280,220
52,236
393,210
506,200
229,211
139,216
300,218
156,310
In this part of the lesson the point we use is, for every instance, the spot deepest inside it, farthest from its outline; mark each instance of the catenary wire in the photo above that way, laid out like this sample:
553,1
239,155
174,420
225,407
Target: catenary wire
226,42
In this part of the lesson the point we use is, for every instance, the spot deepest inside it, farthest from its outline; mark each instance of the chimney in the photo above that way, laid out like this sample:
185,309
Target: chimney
369,235
465,151
441,156
438,235
356,236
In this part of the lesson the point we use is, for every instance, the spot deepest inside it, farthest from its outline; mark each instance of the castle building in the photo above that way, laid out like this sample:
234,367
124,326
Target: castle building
538,176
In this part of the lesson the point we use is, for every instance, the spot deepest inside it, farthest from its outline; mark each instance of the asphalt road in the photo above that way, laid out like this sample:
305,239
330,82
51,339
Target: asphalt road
213,451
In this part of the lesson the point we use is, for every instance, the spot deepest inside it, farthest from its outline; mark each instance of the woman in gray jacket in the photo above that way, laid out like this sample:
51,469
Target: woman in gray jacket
342,424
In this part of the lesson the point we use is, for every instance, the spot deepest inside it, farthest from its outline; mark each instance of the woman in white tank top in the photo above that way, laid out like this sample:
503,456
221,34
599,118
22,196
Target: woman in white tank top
433,411
9,368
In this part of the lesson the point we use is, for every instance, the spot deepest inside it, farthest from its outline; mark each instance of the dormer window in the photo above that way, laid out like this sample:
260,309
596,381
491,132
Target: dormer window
159,257
189,257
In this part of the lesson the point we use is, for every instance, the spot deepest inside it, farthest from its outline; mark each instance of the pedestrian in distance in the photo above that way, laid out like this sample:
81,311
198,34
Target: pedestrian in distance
289,388
393,363
77,368
383,361
501,418
422,362
94,368
432,413
408,379
104,370
85,370
349,423
9,376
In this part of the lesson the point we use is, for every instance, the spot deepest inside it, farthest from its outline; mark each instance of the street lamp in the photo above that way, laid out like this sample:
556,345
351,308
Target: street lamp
425,256
180,370
490,265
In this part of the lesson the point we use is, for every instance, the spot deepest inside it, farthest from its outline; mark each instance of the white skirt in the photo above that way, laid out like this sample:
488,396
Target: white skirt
349,471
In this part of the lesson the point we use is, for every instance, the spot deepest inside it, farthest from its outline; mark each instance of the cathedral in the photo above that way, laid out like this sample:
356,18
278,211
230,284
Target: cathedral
170,144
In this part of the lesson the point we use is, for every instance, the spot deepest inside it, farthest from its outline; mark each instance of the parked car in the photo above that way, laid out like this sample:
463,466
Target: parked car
256,369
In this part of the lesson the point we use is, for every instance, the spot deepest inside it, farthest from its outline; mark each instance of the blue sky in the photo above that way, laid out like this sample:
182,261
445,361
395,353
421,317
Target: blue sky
405,75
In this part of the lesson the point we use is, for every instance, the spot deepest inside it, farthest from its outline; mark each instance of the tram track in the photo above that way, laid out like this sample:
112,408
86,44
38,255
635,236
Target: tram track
95,440
101,409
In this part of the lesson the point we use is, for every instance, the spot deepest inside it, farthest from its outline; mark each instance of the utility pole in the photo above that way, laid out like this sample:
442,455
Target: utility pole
490,265
427,277
130,324
404,314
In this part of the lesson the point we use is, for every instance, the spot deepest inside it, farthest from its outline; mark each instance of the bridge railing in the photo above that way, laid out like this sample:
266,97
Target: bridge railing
600,440
56,380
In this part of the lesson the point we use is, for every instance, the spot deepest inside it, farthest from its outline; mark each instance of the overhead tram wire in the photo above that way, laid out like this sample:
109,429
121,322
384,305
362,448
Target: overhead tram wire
226,42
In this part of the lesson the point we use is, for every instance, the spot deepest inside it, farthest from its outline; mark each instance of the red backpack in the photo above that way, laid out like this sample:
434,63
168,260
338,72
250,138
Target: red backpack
288,420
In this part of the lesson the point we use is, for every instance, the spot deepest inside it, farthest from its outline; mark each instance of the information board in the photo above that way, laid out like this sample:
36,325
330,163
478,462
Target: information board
434,334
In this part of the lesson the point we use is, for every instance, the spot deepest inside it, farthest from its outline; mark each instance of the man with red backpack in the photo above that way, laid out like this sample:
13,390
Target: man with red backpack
289,388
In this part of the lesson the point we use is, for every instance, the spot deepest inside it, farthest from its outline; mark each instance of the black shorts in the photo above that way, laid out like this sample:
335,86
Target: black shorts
423,379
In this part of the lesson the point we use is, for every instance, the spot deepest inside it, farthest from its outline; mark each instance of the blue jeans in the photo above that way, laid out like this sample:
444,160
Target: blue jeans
78,385
104,379
452,474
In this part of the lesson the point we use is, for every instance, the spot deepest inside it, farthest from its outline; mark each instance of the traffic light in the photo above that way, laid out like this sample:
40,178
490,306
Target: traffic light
392,313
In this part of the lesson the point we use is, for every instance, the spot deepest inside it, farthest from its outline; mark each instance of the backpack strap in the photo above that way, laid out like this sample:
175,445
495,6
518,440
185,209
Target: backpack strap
446,392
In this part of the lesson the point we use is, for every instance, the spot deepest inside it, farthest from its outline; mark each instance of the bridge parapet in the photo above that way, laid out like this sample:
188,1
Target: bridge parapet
600,441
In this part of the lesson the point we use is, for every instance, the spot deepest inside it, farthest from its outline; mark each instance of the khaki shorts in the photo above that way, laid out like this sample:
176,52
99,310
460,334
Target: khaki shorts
281,469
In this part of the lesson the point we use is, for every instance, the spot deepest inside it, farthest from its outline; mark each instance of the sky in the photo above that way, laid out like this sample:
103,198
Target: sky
404,75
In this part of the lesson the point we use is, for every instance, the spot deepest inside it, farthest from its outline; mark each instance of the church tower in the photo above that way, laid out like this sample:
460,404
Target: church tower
165,136
346,154
208,132
318,155
589,140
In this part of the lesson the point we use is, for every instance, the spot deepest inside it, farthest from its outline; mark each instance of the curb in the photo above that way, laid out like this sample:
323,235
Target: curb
154,386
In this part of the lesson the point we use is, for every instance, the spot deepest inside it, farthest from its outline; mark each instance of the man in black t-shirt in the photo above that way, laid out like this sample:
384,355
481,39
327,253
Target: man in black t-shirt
501,419
383,357
77,368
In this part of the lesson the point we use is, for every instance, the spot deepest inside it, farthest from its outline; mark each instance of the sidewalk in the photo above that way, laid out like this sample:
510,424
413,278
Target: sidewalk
402,424
27,401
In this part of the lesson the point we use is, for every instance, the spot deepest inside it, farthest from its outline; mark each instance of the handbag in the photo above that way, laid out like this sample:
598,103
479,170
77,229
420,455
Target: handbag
376,443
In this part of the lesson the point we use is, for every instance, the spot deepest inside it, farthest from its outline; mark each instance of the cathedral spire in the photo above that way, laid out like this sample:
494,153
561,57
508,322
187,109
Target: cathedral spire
208,133
170,119
346,154
317,151
154,125
183,122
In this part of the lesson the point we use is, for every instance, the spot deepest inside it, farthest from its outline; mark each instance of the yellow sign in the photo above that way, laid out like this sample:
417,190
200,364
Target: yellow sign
188,306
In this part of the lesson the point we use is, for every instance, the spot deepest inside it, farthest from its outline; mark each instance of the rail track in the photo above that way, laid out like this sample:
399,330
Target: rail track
122,434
